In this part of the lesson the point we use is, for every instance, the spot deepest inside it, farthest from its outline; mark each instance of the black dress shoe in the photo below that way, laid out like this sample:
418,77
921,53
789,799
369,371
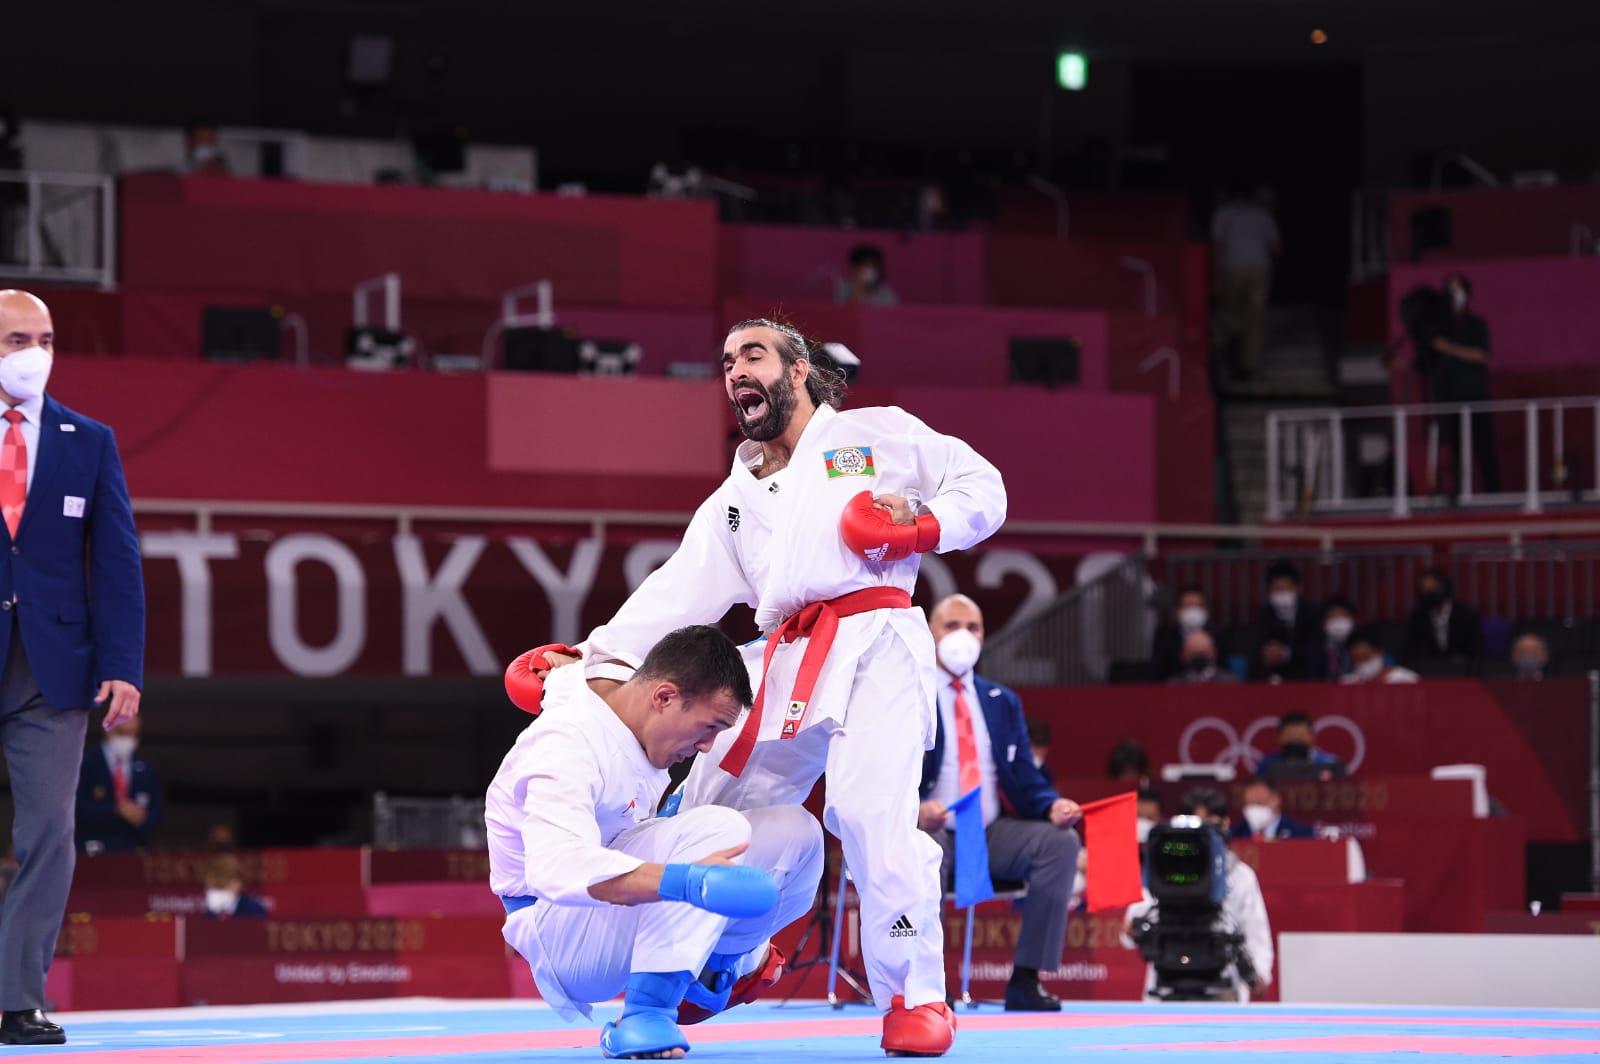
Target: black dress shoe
1031,999
30,1027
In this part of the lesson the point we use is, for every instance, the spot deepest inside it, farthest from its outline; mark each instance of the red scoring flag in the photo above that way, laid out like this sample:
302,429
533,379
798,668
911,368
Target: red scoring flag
1111,838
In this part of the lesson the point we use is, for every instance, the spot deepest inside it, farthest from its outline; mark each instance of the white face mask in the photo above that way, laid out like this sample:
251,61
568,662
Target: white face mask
1257,816
869,276
958,651
1192,618
1338,628
1142,826
1458,297
221,901
1369,669
122,746
1283,602
1038,761
24,373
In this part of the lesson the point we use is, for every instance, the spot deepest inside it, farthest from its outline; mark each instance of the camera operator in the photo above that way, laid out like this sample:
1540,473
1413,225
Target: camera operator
1243,911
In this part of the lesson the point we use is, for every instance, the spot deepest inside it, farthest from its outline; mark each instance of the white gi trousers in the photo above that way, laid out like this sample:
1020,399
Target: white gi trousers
868,725
581,955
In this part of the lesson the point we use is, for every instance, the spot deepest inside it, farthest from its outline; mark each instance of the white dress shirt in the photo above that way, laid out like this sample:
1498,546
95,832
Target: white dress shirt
32,411
947,788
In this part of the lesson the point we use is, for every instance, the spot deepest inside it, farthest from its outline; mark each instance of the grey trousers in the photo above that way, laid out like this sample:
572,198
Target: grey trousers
43,750
1046,857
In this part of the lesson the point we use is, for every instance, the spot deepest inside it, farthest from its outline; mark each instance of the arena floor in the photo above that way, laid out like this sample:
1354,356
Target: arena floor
472,1032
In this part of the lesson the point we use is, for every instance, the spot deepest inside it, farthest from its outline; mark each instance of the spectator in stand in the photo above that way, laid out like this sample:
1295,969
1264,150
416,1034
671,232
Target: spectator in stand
1338,621
1189,614
1369,663
1461,375
1245,240
1039,739
225,894
1298,756
119,797
865,283
202,154
1288,630
1128,763
1530,656
1261,816
1200,661
1441,628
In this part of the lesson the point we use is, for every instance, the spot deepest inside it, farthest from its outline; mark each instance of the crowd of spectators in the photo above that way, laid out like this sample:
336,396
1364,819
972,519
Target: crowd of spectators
1295,638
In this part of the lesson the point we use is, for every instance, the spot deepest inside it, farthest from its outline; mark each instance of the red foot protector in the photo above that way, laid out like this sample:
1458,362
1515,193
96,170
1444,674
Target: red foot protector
925,1031
744,991
525,676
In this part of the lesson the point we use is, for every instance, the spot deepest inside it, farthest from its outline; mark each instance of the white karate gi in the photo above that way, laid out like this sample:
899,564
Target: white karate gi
572,805
774,544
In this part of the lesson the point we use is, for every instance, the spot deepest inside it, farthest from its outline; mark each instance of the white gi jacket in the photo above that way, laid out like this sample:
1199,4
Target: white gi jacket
575,779
774,543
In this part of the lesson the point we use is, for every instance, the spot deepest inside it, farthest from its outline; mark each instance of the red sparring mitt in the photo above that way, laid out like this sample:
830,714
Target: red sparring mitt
868,530
525,676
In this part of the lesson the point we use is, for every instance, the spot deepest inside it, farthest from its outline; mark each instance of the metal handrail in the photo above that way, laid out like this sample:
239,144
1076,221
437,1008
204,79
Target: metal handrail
102,271
1150,534
1300,451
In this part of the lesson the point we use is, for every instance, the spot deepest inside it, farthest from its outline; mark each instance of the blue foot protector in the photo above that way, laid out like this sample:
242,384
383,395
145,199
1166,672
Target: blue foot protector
713,997
649,1020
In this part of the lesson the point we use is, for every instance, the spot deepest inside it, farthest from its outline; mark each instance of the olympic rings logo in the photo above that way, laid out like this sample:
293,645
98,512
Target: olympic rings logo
1239,751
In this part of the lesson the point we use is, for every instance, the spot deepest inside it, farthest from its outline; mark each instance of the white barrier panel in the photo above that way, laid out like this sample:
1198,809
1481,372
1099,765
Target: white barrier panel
1528,971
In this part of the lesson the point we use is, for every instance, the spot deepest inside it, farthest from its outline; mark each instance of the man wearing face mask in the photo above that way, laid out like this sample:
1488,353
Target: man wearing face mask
982,741
1189,614
1338,621
119,799
1461,375
1261,816
1200,661
1441,628
865,283
1289,631
1370,664
1530,657
225,894
68,641
1297,754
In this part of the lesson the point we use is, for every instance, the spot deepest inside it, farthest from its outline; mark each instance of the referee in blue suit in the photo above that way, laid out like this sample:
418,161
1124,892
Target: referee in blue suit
71,636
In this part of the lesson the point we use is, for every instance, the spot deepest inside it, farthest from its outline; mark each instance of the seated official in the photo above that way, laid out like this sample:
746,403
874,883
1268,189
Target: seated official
1297,756
225,894
119,798
1261,816
982,742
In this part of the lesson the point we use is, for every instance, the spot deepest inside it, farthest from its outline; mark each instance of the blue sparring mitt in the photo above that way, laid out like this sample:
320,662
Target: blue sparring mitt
728,890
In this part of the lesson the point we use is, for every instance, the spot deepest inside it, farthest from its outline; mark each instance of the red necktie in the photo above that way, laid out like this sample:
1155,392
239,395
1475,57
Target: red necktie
13,472
966,743
119,780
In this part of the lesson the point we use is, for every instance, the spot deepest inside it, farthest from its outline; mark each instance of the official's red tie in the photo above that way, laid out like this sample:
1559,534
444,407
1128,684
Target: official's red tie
966,743
119,780
13,472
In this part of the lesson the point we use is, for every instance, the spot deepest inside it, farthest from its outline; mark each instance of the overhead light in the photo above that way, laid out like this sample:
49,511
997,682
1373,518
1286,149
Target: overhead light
1318,37
1072,70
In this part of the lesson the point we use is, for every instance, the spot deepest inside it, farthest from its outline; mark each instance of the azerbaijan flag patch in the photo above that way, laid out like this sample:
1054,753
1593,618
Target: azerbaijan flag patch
849,462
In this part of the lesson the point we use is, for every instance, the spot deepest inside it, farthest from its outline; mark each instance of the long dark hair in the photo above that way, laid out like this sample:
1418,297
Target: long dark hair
825,383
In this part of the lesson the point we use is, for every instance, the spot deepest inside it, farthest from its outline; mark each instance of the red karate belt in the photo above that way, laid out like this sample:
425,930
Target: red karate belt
820,623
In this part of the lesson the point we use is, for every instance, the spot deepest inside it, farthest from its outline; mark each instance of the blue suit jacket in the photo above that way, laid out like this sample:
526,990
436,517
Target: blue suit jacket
98,820
81,623
1023,789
